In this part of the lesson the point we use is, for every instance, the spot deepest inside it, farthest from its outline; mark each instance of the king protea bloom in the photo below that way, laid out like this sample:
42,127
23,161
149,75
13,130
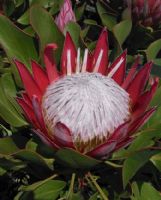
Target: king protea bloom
147,12
90,105
65,16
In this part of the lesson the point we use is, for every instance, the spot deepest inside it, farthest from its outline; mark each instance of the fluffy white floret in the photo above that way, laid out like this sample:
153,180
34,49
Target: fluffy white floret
89,104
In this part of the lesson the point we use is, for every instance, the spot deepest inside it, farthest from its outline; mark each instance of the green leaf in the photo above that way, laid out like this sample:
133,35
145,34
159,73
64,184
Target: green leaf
9,7
90,22
7,146
107,20
11,164
156,69
8,84
74,159
56,7
135,191
24,19
8,110
95,196
156,160
29,30
37,184
145,139
153,50
155,119
122,30
48,32
31,157
77,196
156,99
10,117
18,2
16,43
2,171
134,163
45,3
148,192
49,190
79,11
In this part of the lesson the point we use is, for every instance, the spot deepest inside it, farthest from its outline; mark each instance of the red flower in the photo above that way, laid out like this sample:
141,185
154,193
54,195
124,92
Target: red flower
66,15
88,106
148,12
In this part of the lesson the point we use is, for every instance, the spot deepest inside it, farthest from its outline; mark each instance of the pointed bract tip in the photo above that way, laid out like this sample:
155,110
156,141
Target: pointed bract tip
125,51
149,65
68,39
124,54
104,33
68,36
104,30
18,63
51,46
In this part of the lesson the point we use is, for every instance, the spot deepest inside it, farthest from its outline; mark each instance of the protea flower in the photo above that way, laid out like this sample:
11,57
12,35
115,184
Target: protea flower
65,16
88,106
148,12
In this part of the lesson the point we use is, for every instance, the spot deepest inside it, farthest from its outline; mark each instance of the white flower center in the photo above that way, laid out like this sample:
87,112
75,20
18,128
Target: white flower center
91,105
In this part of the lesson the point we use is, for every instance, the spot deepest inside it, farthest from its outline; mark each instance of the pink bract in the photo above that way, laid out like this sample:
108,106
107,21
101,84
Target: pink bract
65,16
146,12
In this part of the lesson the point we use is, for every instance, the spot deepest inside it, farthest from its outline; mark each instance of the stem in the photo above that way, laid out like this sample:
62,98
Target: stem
98,187
113,164
51,177
71,187
90,183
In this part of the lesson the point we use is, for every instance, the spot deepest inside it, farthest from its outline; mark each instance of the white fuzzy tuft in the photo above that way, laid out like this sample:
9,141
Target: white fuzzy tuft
92,106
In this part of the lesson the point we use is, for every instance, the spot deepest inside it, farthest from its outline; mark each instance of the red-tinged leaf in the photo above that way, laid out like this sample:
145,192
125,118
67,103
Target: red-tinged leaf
68,45
131,74
118,67
46,139
103,150
124,143
144,100
40,76
26,99
141,121
120,132
102,45
63,136
38,113
136,87
30,85
50,62
28,112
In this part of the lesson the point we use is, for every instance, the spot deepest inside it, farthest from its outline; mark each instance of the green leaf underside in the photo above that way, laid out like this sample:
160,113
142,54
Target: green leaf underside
153,49
147,192
49,190
45,27
122,30
16,43
75,159
134,163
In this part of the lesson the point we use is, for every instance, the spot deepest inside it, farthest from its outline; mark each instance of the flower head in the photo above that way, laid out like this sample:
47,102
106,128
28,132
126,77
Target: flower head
66,15
90,106
148,12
